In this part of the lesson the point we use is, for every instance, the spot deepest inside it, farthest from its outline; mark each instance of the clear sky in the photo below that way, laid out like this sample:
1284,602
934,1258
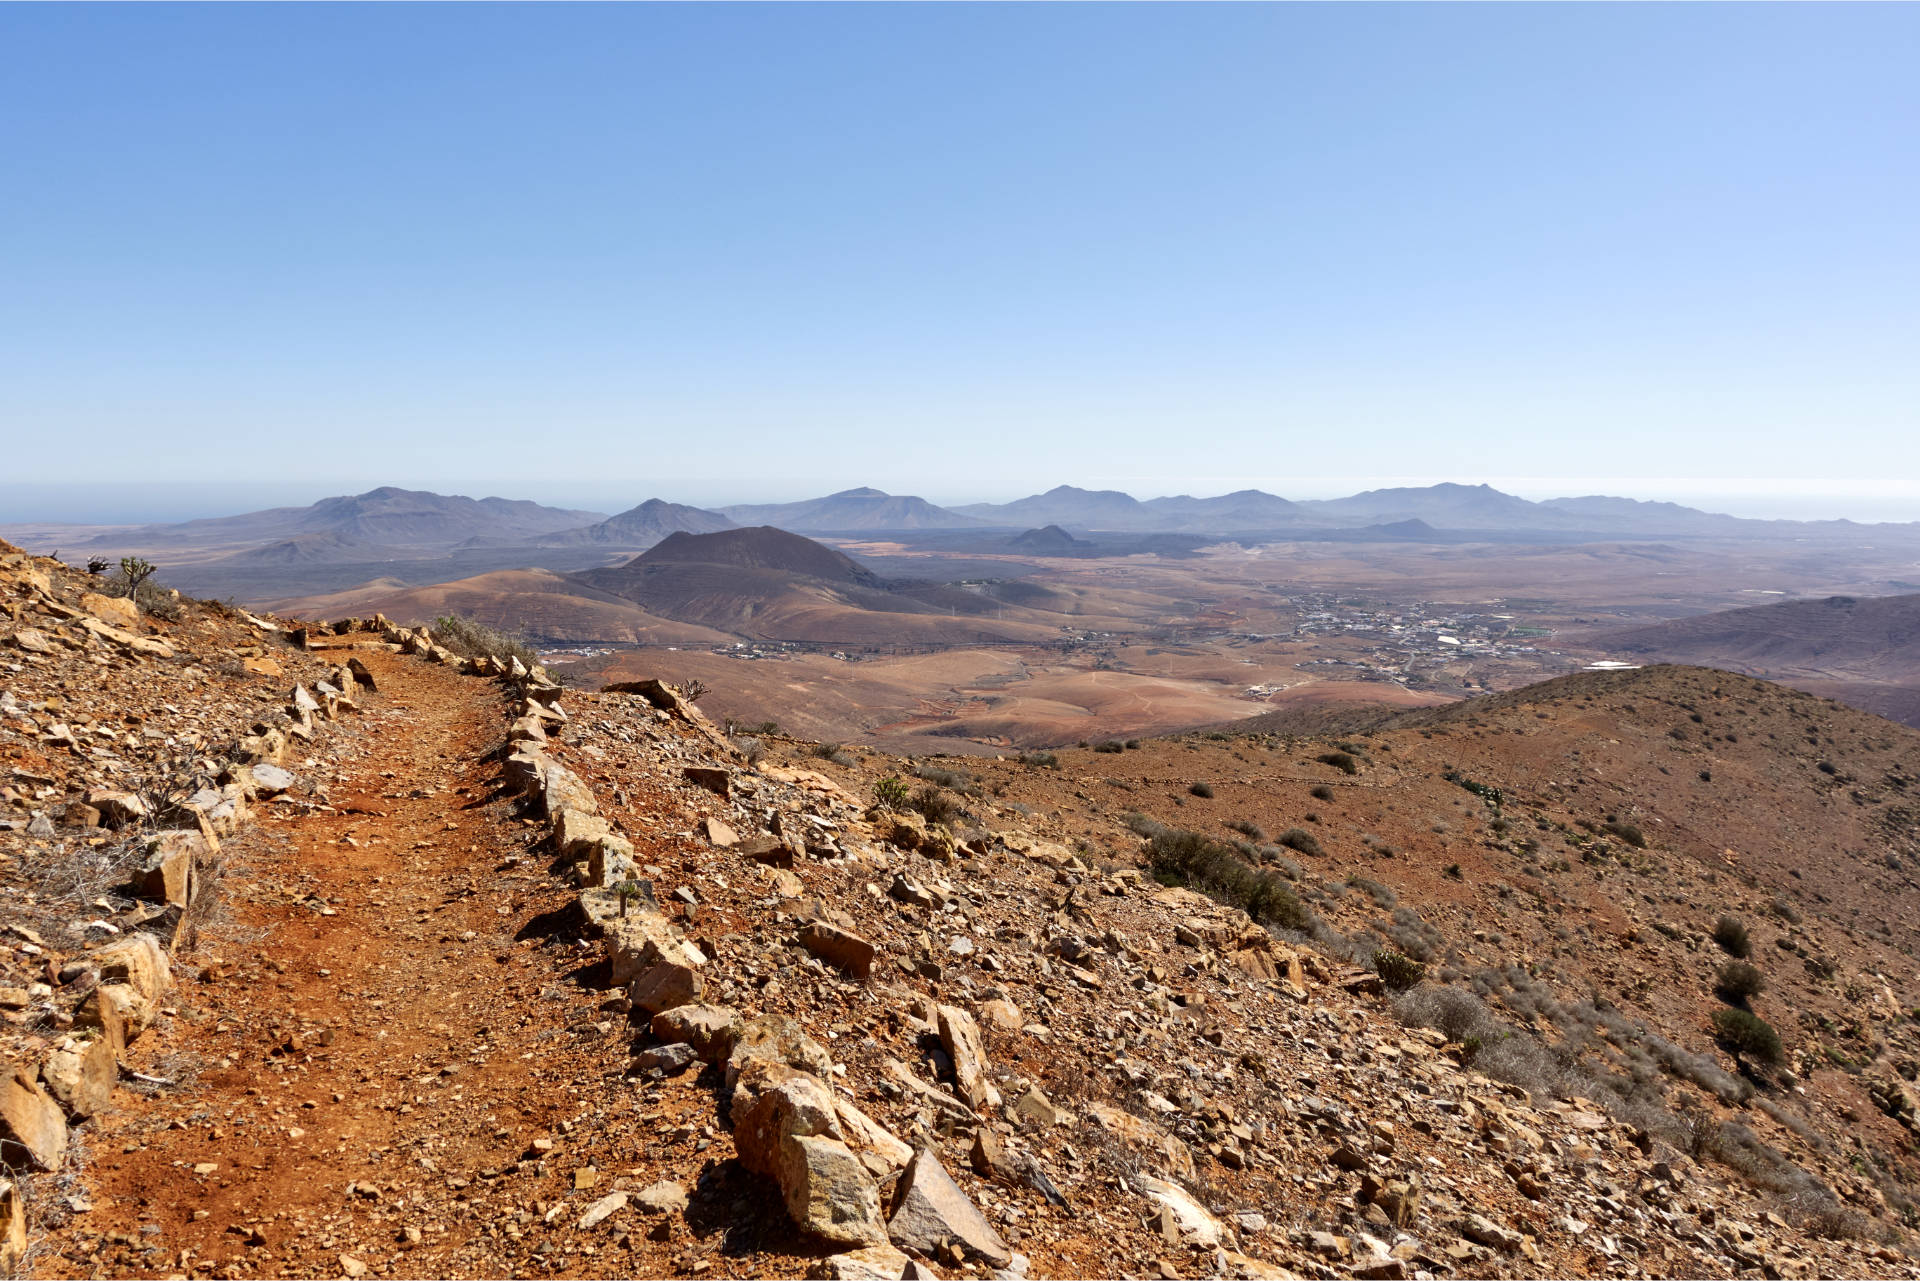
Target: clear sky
593,253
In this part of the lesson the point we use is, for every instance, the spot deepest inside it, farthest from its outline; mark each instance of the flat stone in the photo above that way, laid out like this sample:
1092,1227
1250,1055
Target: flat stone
930,1211
33,1130
664,1197
874,1263
960,1036
841,948
1189,1219
664,986
670,1059
598,1212
710,1030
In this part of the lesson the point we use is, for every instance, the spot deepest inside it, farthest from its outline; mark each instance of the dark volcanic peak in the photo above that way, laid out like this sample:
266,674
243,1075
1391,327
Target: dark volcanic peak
762,547
851,509
643,526
1049,541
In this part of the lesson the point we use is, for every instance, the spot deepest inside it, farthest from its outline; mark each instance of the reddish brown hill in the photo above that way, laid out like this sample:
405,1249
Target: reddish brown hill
1863,650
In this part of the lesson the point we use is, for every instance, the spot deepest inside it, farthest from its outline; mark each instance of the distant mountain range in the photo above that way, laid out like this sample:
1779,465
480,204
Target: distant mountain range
387,522
1109,509
848,510
641,527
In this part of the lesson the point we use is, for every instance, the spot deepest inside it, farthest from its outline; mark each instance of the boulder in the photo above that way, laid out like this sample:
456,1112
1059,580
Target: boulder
719,834
574,831
638,942
269,779
773,1102
710,1029
528,729
786,1126
224,811
829,1194
1181,1215
270,747
715,780
930,1211
664,986
126,640
136,961
118,809
523,771
960,1036
771,851
601,1210
838,947
118,1011
895,827
166,873
562,789
34,641
363,675
117,610
33,1129
775,1038
610,861
79,1074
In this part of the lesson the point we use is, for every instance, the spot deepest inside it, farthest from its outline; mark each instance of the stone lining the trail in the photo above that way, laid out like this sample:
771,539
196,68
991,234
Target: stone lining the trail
788,1123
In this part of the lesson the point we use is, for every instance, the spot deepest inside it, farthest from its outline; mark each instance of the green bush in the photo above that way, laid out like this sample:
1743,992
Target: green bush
1730,932
1203,790
1746,1035
1301,841
890,792
1249,830
1626,832
1398,970
1342,761
1321,792
1738,983
935,805
1187,858
1043,760
1111,746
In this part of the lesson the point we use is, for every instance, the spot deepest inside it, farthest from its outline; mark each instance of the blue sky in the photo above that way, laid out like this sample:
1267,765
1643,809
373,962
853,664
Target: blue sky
593,253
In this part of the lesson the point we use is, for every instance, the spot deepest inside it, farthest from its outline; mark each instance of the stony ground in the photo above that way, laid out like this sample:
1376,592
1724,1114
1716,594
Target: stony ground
395,1044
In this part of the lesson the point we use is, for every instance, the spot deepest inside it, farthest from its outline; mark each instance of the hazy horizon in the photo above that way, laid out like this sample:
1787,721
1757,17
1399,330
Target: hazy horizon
743,253
123,504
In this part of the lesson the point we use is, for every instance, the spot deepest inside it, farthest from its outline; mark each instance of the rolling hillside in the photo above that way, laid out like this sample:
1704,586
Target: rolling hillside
1861,650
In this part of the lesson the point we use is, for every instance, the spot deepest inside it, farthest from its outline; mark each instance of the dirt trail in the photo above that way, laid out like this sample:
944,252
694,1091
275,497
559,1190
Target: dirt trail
364,1016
